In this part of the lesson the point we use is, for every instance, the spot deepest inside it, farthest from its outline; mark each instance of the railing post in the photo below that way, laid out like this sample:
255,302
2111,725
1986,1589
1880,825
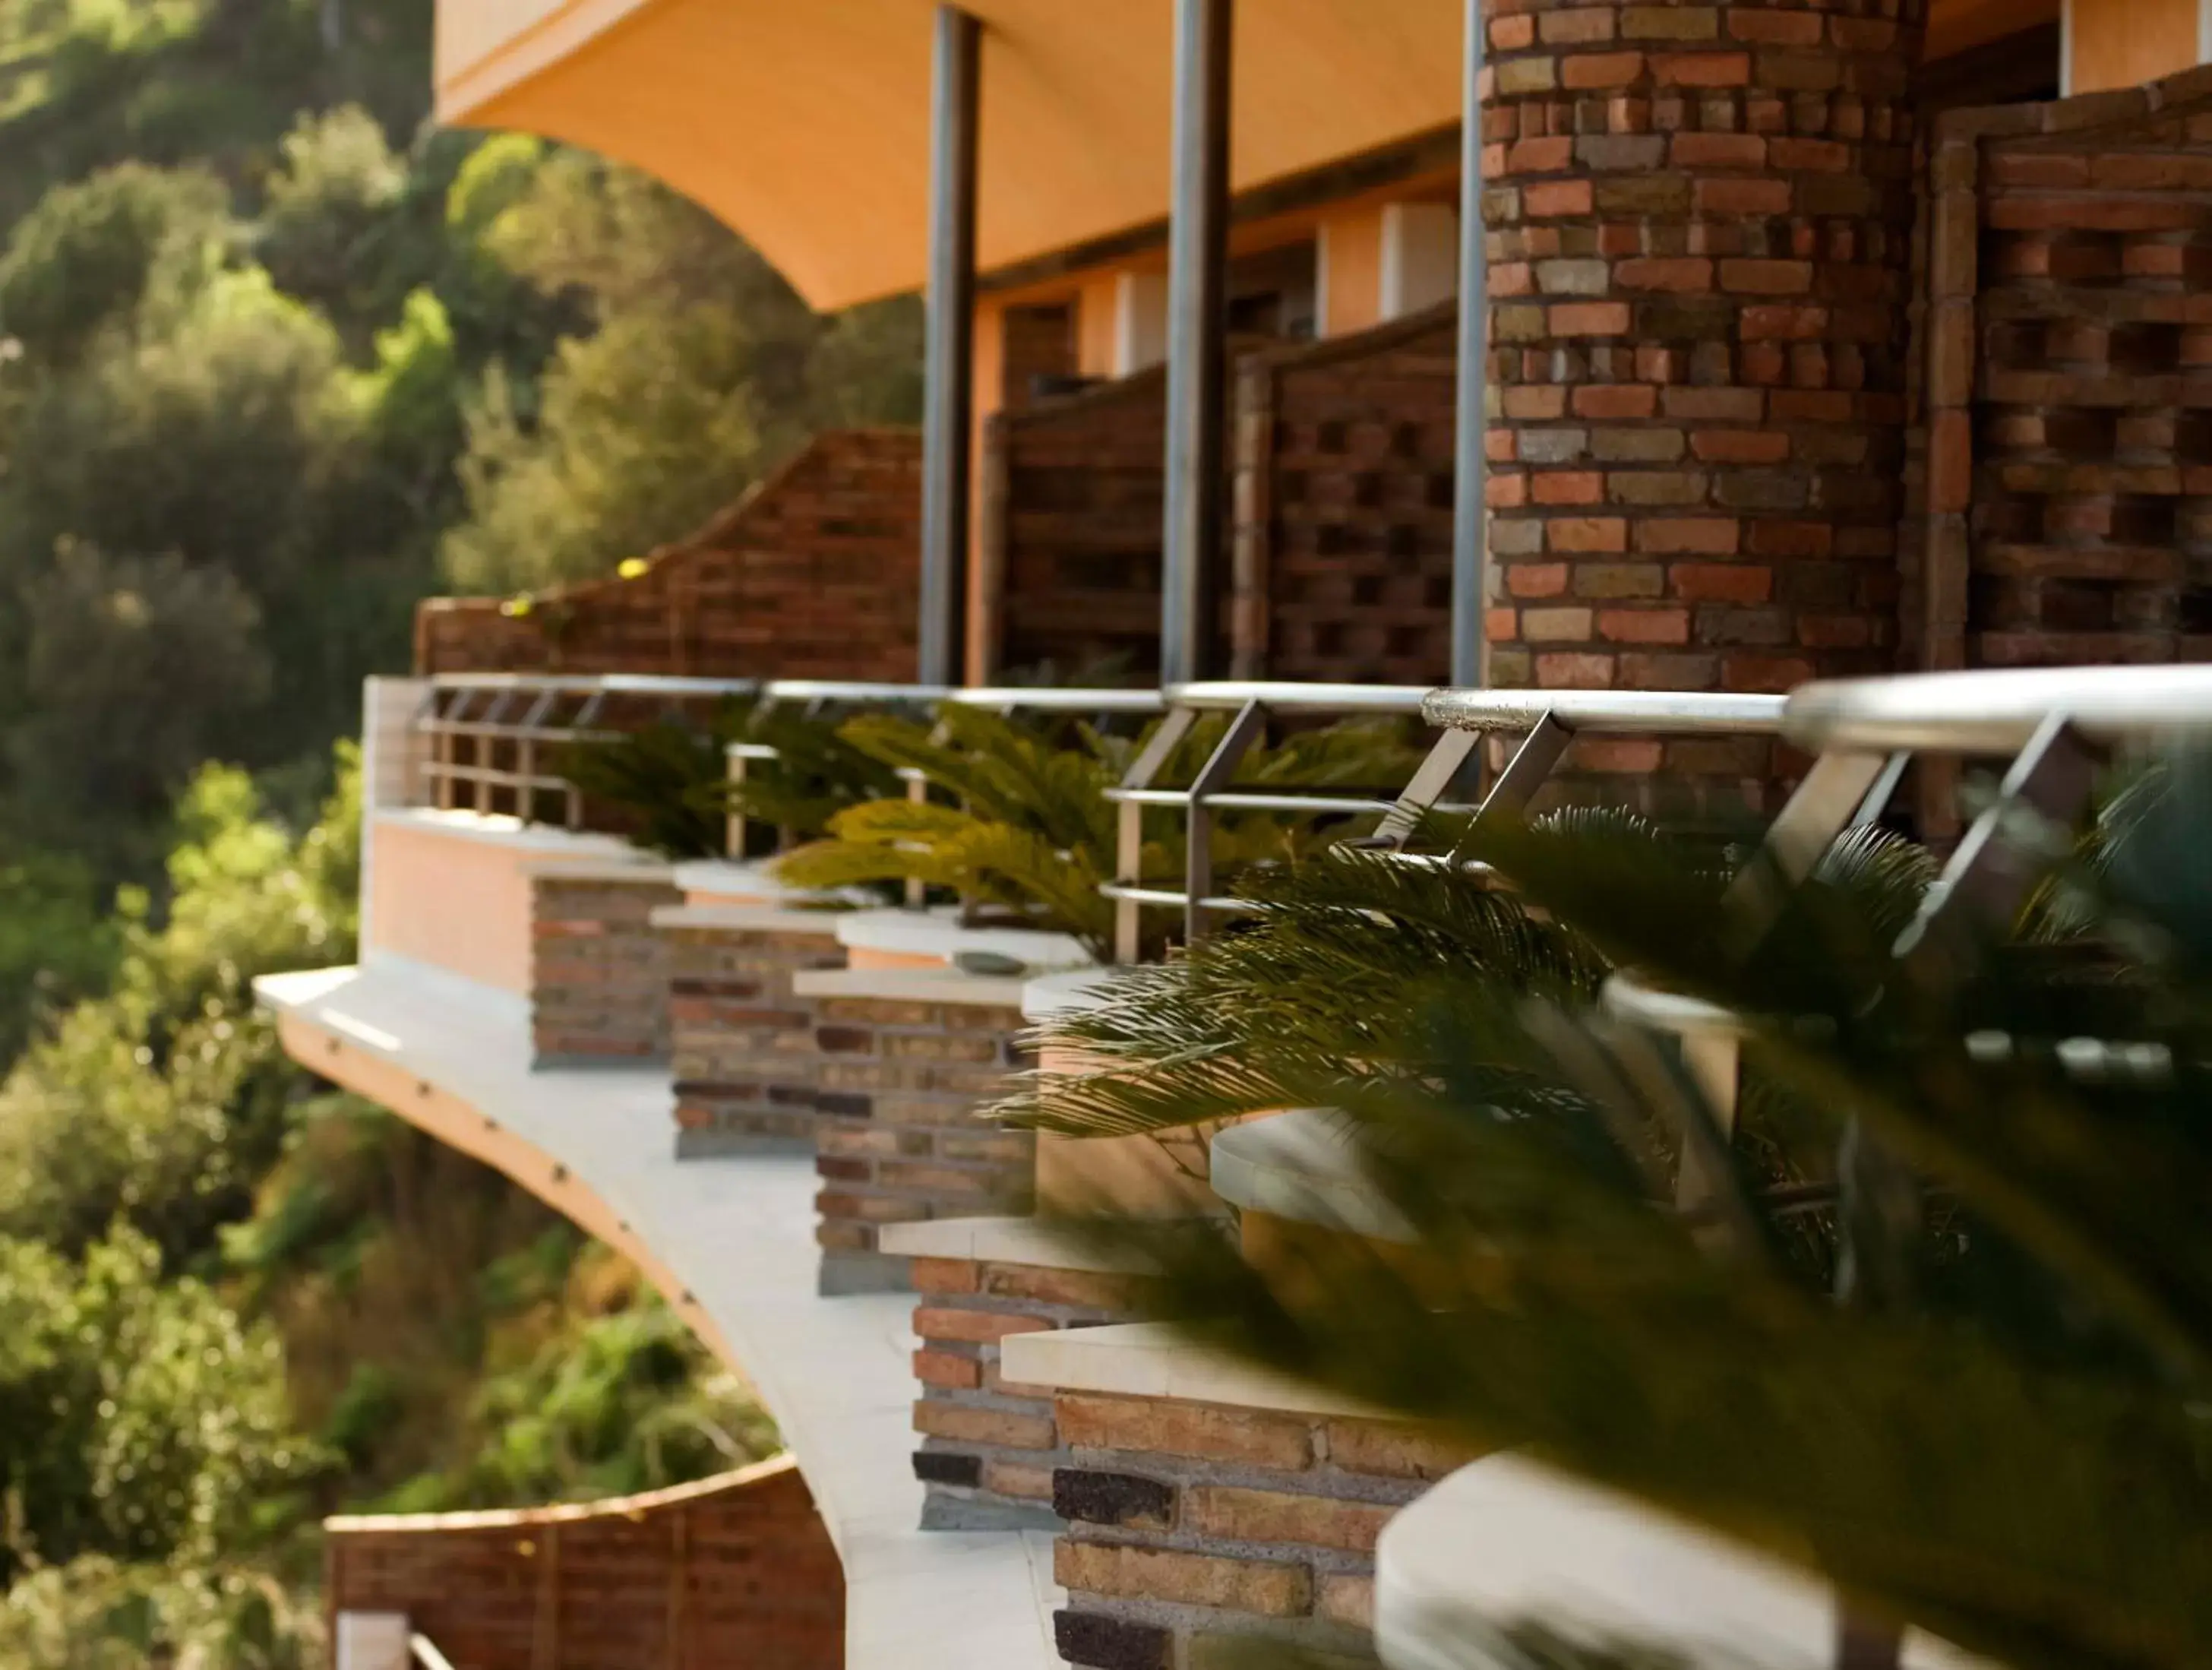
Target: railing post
1212,777
947,431
1197,333
1129,829
1470,538
733,825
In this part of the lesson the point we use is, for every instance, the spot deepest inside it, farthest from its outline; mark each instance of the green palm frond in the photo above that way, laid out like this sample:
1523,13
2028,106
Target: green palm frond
2007,1449
1310,998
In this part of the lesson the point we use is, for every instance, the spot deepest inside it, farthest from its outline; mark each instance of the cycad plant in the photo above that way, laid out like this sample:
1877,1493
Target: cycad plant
1979,1407
669,781
1021,824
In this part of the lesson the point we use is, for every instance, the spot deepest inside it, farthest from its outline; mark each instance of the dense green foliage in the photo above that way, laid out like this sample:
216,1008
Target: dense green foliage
1020,822
277,360
1932,1327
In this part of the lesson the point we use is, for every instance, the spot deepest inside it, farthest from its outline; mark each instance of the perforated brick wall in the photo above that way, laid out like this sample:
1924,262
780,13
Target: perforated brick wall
811,575
897,1084
1071,520
990,1448
2069,379
598,974
1345,490
1700,222
1194,1528
743,1043
736,1571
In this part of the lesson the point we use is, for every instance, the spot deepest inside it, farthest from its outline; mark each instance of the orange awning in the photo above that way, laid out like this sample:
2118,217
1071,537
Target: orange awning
804,124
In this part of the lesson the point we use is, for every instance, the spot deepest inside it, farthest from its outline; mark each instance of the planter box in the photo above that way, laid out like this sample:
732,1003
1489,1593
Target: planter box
1210,1506
743,1039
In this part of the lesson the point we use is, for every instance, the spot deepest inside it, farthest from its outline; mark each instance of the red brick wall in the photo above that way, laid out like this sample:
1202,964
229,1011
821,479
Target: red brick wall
736,1570
990,1447
1072,517
2067,514
599,969
1195,1528
1700,220
1345,490
812,575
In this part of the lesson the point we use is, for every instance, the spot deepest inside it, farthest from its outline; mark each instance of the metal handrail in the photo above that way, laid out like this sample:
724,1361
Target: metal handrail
1607,712
1253,703
425,1652
592,684
1226,695
1998,711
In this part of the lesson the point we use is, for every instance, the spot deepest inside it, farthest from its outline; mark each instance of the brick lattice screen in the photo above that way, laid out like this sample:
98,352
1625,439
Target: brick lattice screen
1344,489
1700,222
814,574
2067,378
736,1570
1071,517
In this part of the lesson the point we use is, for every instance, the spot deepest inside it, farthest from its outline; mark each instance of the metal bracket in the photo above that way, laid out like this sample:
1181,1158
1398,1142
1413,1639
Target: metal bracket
1213,777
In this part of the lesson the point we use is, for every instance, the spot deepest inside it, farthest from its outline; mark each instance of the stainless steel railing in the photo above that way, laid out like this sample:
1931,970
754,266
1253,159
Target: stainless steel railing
1253,705
487,734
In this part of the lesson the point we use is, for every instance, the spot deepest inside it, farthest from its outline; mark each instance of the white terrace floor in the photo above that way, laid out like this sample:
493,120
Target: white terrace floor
732,1241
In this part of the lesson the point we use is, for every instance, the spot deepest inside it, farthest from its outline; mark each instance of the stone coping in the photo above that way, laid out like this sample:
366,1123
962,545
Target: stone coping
937,933
1007,1240
753,919
1507,1537
731,1242
639,867
498,829
563,1513
1303,1165
1157,1359
909,985
753,882
1065,993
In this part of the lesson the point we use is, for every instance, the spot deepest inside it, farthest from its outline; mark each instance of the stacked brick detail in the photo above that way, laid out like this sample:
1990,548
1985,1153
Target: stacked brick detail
990,1448
1194,1528
812,575
738,1571
2068,374
1344,489
744,1043
1699,227
1071,526
598,975
897,1083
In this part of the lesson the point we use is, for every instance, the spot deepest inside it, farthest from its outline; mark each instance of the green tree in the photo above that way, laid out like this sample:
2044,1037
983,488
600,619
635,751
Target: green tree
136,670
93,251
163,1102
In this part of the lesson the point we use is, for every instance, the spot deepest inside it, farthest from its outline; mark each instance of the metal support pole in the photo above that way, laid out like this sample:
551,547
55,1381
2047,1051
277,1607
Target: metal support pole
1198,318
949,398
1470,565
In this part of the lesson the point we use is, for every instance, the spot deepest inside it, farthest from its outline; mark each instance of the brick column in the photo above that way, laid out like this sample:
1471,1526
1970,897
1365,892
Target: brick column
1699,224
598,975
744,1043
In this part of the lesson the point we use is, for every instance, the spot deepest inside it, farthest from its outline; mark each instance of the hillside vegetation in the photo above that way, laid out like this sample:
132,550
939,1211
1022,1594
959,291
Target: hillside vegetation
276,360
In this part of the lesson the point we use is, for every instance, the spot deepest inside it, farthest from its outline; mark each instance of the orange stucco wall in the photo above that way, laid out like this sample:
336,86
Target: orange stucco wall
1352,271
460,901
2122,43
